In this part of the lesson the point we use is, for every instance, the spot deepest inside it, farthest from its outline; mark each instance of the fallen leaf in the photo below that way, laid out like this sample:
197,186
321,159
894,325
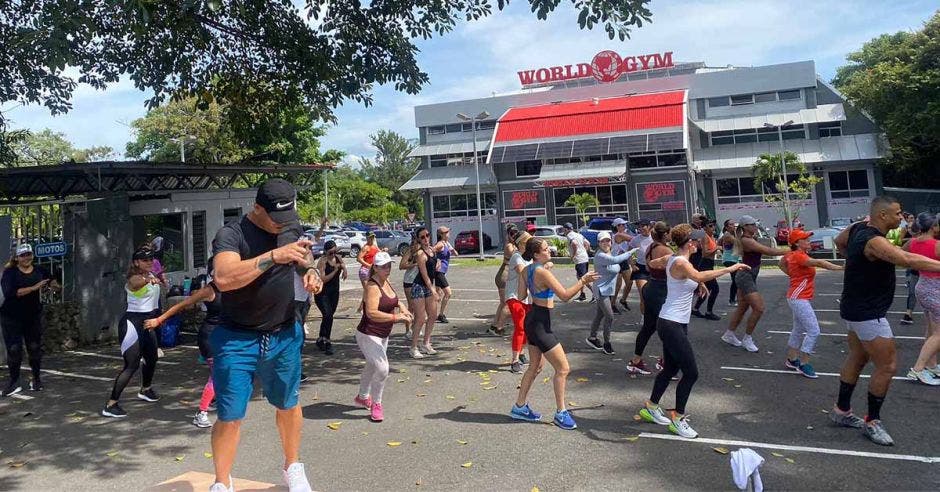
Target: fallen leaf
417,482
365,433
179,458
582,380
393,444
737,386
450,397
16,464
809,427
637,418
402,380
824,411
461,442
207,454
467,464
572,404
727,379
631,438
111,454
402,371
427,380
490,387
421,395
75,420
777,455
414,442
494,371
721,450
546,379
334,425
790,460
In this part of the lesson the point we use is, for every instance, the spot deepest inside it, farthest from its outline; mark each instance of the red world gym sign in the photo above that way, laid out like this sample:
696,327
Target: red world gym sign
605,67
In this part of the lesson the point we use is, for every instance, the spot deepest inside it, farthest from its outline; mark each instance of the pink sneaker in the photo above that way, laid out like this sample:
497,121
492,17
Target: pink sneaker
363,402
377,414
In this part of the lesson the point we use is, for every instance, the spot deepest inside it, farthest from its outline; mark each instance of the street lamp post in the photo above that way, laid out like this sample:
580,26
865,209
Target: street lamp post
783,166
182,140
476,164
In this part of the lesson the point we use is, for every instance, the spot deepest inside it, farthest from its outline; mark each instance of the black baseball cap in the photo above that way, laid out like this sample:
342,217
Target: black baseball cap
279,199
143,254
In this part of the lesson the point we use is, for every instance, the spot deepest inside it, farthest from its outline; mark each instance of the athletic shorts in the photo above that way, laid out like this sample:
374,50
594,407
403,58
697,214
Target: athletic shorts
363,273
641,273
407,286
624,267
581,269
538,328
240,355
871,329
419,291
440,280
746,282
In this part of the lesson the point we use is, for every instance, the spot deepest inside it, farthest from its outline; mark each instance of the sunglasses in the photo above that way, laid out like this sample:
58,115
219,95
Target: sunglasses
422,236
24,255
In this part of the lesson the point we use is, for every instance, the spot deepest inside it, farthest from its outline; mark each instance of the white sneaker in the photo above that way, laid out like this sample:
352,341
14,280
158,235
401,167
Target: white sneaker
731,339
654,414
924,376
935,370
681,427
218,487
429,350
296,478
748,343
160,353
201,419
416,354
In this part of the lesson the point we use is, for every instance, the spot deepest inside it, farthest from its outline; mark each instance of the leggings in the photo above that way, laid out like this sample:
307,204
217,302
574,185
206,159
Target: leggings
913,277
374,374
928,293
677,356
654,295
603,316
301,309
15,331
805,326
712,295
326,303
517,311
208,391
733,292
136,343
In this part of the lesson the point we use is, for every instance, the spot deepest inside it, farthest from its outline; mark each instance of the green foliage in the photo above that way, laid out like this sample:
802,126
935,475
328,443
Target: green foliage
48,148
768,176
582,202
392,167
896,79
560,245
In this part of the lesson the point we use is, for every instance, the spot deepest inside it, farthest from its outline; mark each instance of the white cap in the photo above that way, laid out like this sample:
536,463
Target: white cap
602,236
24,248
381,258
618,221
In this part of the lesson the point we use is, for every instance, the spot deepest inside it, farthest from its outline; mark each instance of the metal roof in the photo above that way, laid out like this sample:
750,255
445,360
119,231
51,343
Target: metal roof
62,180
582,173
865,146
450,177
824,113
449,148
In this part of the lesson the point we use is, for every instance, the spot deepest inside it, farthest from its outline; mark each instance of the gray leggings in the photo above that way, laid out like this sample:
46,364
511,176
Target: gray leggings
912,277
604,315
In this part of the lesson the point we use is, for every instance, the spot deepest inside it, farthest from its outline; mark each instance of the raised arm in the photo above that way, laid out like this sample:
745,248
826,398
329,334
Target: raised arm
820,263
565,294
686,270
880,247
232,272
751,244
205,294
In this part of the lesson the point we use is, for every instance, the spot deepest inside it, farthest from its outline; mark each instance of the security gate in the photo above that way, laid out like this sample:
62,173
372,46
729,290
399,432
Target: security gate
39,225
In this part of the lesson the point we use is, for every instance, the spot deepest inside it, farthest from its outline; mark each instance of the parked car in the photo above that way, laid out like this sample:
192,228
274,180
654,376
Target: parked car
550,232
819,235
468,242
393,241
783,230
357,239
598,224
839,223
342,242
358,226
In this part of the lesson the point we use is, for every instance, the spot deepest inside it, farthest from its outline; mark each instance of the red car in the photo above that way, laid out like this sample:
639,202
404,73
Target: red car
783,231
467,242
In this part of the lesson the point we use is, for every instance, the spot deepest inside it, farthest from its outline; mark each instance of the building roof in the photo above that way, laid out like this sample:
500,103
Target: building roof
450,177
449,148
593,116
865,146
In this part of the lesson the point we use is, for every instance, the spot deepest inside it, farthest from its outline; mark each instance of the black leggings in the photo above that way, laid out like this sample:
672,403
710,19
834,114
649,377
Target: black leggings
677,356
15,331
654,295
202,340
137,343
732,295
326,303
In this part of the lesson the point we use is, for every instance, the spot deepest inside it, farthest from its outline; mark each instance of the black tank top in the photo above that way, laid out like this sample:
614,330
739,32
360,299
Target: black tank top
332,285
214,307
431,265
868,286
655,273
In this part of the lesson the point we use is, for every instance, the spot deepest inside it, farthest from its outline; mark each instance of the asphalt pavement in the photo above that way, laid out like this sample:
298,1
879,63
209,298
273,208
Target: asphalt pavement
447,424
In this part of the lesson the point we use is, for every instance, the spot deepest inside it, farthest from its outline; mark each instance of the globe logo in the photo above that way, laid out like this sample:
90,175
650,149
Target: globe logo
606,66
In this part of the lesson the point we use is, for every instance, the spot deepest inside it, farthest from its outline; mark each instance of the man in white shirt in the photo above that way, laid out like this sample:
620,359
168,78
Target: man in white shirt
578,250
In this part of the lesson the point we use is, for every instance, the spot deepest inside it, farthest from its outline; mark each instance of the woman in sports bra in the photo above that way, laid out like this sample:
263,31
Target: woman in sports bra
539,283
443,250
332,269
682,281
654,294
408,264
425,296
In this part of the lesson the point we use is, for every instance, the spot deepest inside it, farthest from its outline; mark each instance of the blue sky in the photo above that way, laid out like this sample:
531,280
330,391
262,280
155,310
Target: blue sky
482,57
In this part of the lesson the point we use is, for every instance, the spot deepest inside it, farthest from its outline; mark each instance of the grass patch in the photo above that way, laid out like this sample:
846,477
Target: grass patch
475,262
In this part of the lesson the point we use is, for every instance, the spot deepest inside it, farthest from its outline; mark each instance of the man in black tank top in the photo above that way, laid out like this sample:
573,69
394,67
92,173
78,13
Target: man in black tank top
867,294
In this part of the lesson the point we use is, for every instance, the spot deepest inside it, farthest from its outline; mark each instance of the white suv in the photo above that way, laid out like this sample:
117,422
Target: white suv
550,232
357,239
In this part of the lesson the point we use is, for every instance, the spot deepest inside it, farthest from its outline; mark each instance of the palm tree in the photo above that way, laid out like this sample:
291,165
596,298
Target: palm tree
581,203
768,177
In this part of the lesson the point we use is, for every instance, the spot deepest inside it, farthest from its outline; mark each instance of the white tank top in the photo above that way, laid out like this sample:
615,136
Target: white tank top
143,300
679,293
411,274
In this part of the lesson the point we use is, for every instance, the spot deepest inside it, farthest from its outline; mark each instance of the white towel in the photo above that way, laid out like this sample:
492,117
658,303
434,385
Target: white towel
745,465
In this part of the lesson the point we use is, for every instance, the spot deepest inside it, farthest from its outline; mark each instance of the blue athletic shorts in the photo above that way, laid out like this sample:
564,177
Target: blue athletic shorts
239,355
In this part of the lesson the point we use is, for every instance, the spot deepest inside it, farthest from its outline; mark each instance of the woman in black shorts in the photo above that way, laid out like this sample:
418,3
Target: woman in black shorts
425,295
541,284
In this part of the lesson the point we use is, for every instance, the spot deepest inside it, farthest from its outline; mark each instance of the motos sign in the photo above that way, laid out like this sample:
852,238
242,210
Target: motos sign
605,67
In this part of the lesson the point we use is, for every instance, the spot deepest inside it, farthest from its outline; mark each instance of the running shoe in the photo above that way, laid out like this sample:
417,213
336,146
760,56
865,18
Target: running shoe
113,411
808,371
442,319
935,370
516,367
638,367
608,348
876,431
296,478
564,420
376,415
36,385
924,376
623,302
846,419
523,358
731,339
614,309
712,317
907,320
218,487
321,343
733,303
493,330
12,388
304,378
428,349
363,402
654,414
792,364
582,297
416,354
748,343
659,363
697,313
149,395
328,347
525,413
594,343
201,419
680,426
160,353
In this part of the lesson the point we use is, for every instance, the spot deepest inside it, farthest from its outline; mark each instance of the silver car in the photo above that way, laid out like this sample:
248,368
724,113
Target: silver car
395,242
342,242
550,232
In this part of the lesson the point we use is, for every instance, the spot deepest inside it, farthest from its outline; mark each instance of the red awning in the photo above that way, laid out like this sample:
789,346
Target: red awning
619,114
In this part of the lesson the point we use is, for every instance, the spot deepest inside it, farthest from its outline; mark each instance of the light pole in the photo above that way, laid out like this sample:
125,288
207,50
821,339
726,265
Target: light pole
783,166
182,140
476,164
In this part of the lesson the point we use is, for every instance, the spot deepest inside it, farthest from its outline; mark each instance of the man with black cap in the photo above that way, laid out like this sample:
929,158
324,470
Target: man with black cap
255,260
578,250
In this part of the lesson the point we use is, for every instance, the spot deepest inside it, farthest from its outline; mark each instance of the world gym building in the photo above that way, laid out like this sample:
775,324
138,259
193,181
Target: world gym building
649,138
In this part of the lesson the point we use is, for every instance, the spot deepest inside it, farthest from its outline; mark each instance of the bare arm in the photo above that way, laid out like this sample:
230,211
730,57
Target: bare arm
881,248
819,263
205,294
407,261
751,245
361,256
522,288
549,280
841,240
423,271
684,269
232,272
135,282
784,266
321,267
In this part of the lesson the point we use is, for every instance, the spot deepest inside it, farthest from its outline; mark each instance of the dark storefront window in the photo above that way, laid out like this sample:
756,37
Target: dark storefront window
528,168
461,205
848,184
663,200
612,198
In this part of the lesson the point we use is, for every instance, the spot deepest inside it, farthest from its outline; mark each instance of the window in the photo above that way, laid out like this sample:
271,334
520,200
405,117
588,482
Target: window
737,190
466,127
665,158
763,134
789,95
612,198
722,138
486,125
768,134
793,132
848,184
742,99
717,102
833,129
199,239
523,203
452,128
461,205
438,161
745,136
639,161
436,130
528,168
765,97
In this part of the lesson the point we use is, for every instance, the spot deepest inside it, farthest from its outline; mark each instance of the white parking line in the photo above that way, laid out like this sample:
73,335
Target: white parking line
843,335
105,356
889,312
795,373
786,447
73,375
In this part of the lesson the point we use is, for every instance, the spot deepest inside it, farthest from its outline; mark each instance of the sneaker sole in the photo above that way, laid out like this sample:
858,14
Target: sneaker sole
17,390
524,419
813,376
674,430
636,370
647,416
557,424
732,343
202,426
146,398
105,413
592,345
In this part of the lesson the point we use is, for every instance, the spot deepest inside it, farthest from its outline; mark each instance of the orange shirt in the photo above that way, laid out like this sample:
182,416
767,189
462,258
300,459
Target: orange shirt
802,276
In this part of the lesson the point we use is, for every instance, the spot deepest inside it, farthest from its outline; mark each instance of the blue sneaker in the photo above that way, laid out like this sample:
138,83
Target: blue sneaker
564,420
807,370
525,413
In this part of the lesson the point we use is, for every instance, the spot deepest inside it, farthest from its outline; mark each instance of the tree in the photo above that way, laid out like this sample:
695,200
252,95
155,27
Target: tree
47,148
798,186
392,167
94,153
257,53
896,79
582,203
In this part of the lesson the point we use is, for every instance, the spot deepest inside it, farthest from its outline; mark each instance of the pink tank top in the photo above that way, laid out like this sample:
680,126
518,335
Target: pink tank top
928,248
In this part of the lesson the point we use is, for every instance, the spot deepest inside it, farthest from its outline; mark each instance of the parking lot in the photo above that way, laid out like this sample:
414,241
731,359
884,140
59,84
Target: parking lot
447,424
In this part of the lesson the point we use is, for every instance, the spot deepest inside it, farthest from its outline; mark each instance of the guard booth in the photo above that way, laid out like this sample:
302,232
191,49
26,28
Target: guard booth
85,220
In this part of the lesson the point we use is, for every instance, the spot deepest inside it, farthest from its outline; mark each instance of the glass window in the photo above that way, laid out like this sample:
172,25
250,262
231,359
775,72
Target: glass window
604,195
562,195
619,193
767,136
459,202
528,168
436,130
641,161
722,140
489,200
765,97
666,160
858,180
727,187
441,203
833,129
438,162
742,99
452,128
486,125
789,95
747,186
838,180
466,127
745,138
716,102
